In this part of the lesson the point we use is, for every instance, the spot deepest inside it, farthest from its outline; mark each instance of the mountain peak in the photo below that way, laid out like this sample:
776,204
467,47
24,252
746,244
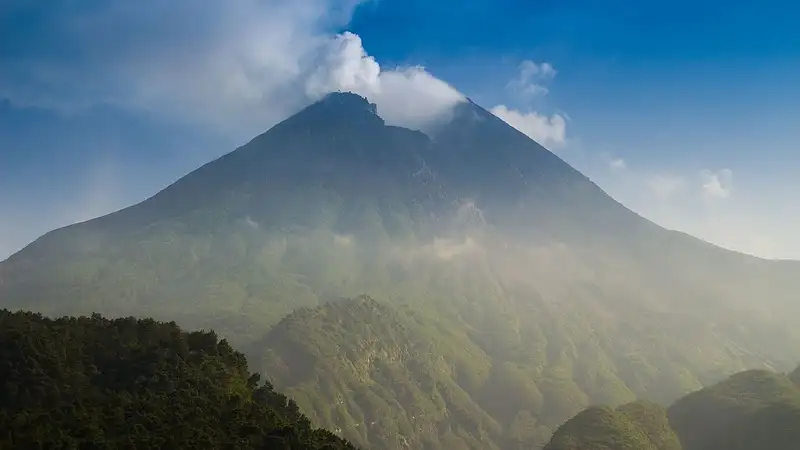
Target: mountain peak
337,110
341,107
348,99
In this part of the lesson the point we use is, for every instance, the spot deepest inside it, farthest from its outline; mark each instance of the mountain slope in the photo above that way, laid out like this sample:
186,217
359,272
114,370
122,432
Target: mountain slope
398,380
479,230
216,240
95,383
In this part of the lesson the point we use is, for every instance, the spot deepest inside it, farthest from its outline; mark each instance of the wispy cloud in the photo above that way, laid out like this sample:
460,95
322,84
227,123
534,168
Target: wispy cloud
618,164
690,200
228,70
236,66
548,130
717,184
531,78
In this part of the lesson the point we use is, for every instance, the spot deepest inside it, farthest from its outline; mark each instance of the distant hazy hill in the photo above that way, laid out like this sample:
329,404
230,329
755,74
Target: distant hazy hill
795,376
494,245
633,426
92,383
752,410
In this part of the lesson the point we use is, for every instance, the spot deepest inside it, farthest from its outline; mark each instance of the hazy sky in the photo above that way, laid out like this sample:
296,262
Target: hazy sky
687,112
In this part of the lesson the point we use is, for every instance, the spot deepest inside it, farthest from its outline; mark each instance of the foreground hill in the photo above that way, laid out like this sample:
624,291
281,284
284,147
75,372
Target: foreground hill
125,384
633,426
752,410
502,253
382,376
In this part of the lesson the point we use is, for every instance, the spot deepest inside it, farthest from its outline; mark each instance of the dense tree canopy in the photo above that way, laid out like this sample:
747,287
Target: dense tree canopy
94,383
634,426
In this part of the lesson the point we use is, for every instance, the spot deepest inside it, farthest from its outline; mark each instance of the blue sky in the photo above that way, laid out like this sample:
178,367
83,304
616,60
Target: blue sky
687,112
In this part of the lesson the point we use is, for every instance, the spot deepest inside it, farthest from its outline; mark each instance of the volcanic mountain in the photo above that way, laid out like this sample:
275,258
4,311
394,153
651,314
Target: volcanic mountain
538,293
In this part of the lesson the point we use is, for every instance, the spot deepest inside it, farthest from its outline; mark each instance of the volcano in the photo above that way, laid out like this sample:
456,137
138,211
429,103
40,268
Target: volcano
537,292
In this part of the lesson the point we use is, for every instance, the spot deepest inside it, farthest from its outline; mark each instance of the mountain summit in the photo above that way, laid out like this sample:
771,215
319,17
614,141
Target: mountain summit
542,293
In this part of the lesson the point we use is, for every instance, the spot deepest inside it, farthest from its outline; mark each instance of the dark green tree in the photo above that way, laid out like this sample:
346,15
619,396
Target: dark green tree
94,383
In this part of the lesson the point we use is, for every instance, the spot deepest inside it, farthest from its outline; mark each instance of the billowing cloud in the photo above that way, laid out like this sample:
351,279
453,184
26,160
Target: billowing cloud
238,67
550,131
409,97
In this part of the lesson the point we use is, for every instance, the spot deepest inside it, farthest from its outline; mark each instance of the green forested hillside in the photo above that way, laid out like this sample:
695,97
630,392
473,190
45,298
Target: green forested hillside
635,426
93,383
398,381
752,410
652,420
387,376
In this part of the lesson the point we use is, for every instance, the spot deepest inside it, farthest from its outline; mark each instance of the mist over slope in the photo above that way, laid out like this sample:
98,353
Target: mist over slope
515,260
